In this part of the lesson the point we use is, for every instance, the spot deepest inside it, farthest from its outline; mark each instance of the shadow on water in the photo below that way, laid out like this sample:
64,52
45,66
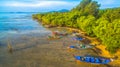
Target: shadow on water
24,48
3,44
0,44
28,45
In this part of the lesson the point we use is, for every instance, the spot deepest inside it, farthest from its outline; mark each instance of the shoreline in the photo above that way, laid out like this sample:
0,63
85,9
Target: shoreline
99,45
40,52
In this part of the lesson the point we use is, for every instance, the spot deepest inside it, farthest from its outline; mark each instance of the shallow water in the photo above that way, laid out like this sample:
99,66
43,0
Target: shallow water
23,34
15,24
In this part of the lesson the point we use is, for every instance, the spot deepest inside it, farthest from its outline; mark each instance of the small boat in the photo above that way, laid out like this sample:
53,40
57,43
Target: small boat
78,38
94,60
54,37
59,33
81,46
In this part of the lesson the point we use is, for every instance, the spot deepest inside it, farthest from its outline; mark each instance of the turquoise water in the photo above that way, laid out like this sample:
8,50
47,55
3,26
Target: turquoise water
21,23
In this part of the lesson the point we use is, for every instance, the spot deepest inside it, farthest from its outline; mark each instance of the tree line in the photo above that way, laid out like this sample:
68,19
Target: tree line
101,23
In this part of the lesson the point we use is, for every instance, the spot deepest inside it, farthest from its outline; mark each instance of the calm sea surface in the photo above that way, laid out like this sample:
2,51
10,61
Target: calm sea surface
20,23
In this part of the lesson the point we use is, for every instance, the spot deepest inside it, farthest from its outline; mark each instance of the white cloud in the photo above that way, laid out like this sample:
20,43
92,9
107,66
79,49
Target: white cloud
31,6
39,4
106,2
109,3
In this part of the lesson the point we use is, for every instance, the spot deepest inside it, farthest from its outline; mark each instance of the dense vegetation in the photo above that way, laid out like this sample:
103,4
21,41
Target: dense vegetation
103,24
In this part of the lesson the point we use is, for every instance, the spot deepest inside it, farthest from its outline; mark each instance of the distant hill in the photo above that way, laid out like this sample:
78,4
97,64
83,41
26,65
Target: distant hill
62,10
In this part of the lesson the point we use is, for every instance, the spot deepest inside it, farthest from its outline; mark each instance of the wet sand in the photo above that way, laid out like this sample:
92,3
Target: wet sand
41,52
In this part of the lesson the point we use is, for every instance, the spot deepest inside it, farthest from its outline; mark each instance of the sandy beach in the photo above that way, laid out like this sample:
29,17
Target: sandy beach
41,52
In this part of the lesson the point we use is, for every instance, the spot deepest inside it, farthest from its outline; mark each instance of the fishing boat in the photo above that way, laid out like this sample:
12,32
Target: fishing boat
81,46
78,38
58,33
53,37
93,59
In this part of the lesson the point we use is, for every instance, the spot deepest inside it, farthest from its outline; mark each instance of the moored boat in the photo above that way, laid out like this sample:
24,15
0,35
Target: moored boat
54,37
93,59
81,46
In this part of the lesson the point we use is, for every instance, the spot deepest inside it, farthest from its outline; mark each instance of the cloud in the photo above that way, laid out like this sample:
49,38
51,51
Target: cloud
106,2
38,4
109,3
49,5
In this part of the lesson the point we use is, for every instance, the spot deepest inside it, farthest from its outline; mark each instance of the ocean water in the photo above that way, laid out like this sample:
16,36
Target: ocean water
19,23
22,33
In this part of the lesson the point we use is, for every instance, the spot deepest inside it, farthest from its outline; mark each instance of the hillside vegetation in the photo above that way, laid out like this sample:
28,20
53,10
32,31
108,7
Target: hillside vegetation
103,24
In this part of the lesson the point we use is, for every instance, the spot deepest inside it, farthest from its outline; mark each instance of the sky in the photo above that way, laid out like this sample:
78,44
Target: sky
48,5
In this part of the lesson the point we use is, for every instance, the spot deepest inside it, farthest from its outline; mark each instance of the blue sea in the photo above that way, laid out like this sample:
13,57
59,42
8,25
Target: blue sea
19,23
